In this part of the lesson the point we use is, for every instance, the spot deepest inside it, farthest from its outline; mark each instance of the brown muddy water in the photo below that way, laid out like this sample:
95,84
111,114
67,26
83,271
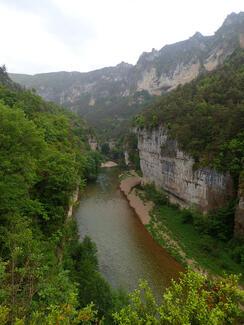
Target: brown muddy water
126,251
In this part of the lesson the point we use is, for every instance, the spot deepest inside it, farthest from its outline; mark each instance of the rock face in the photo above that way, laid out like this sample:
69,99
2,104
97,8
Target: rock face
164,164
126,156
93,143
111,89
73,200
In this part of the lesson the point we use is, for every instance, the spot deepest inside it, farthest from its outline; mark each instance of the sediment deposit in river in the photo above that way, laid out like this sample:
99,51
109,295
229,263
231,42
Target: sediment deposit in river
142,209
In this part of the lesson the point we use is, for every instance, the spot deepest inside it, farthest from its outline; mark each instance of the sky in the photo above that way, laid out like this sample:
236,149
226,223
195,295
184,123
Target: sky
40,36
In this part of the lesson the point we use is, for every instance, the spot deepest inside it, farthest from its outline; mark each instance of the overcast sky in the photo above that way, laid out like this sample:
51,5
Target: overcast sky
83,35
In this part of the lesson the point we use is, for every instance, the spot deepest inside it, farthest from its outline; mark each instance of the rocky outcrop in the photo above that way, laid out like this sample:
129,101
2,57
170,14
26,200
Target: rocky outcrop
73,200
126,156
156,72
163,163
109,164
180,74
179,63
93,143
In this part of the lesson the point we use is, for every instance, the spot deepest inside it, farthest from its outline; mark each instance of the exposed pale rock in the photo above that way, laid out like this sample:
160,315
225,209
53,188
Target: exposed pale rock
241,40
74,199
213,60
111,144
164,164
181,74
93,143
127,160
92,101
155,72
109,164
149,82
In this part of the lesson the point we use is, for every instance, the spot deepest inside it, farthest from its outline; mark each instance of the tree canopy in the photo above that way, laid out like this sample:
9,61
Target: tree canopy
206,116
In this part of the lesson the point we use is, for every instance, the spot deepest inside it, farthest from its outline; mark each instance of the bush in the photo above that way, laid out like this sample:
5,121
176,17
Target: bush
218,224
236,248
187,216
194,299
209,245
159,197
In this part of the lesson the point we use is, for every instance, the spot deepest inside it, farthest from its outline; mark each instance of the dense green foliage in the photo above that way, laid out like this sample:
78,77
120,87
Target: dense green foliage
206,116
192,300
204,240
130,145
111,115
47,276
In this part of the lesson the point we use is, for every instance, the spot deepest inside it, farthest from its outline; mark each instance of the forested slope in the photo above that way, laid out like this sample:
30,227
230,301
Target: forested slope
107,98
206,117
45,274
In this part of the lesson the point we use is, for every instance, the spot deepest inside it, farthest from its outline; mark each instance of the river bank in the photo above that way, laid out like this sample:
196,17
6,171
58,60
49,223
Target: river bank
166,225
108,164
125,249
142,209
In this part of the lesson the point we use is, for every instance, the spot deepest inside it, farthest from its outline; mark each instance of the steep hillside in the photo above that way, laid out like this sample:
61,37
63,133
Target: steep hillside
6,81
192,139
181,62
111,95
47,276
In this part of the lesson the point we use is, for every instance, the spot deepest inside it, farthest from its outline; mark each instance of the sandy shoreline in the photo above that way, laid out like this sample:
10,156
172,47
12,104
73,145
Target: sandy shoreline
142,209
108,164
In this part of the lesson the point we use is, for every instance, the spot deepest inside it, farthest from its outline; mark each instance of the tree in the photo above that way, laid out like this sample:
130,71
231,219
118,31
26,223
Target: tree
193,299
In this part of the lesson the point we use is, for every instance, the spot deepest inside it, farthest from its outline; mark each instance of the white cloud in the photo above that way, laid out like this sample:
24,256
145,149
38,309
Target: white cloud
50,35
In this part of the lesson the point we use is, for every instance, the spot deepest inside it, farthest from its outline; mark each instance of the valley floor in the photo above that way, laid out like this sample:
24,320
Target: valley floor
167,226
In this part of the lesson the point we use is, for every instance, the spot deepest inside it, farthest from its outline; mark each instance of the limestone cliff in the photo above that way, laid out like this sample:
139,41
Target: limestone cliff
163,163
116,92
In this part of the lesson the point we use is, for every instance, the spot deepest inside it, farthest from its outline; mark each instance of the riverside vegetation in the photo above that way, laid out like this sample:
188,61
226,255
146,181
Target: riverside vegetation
46,275
206,117
205,242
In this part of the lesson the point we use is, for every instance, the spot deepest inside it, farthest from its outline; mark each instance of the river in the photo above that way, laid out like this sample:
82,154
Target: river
126,251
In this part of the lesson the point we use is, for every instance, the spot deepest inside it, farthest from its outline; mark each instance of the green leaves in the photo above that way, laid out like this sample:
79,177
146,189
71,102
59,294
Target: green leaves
193,299
21,146
43,159
206,116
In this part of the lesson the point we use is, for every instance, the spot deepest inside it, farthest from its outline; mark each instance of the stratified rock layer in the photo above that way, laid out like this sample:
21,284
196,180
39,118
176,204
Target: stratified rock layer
164,164
112,91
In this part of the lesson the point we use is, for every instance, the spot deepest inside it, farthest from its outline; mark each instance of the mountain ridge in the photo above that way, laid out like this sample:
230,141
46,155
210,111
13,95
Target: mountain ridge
95,94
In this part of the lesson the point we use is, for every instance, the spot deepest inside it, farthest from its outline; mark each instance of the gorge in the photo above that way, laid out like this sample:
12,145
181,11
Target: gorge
180,143
164,136
109,97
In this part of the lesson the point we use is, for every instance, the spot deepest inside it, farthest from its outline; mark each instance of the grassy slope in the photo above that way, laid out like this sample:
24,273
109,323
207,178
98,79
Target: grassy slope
215,259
